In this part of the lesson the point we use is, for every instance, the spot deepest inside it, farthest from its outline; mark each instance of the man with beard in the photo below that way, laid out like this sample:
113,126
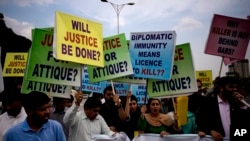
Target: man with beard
37,125
112,110
15,113
222,114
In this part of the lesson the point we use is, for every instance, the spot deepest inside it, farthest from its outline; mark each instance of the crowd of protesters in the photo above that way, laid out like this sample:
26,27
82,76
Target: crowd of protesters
215,113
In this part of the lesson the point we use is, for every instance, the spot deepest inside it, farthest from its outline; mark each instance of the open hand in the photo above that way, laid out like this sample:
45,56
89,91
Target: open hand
216,136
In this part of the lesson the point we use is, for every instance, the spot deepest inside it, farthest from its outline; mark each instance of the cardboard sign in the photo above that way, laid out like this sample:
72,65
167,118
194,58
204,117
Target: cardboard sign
228,37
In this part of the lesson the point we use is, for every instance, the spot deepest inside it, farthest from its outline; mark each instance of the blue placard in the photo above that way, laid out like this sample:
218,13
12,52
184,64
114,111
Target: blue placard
152,54
90,87
140,92
121,88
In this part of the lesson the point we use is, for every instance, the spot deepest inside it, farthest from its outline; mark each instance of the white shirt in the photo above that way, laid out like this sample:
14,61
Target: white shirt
81,128
6,121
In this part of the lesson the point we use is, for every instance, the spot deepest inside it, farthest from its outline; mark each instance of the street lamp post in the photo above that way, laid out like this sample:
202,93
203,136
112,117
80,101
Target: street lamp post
118,9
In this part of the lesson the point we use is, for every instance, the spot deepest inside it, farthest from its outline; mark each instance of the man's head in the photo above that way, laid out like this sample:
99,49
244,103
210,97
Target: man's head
69,101
108,95
92,107
227,86
199,85
97,95
12,101
37,106
60,103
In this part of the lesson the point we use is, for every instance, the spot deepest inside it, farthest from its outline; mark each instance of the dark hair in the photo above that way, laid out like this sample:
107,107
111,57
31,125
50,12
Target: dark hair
108,88
149,102
11,95
133,98
71,98
198,80
97,95
35,99
57,100
92,102
228,80
221,82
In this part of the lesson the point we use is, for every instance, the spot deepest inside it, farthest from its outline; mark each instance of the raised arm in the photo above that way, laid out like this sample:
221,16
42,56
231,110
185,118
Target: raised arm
122,114
142,123
127,107
70,115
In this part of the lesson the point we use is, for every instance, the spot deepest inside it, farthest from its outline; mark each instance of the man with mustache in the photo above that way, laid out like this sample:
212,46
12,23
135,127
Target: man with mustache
37,125
112,110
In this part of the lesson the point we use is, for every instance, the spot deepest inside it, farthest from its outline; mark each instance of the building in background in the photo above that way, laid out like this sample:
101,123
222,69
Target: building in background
240,68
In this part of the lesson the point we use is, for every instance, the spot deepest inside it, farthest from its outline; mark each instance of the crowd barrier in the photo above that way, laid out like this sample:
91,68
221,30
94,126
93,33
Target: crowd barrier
176,137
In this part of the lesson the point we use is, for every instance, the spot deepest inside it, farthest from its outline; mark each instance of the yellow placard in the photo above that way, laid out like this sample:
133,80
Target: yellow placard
206,78
14,65
182,110
78,40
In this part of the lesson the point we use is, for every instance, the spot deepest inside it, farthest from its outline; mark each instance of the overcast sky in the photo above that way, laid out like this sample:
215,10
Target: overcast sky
191,19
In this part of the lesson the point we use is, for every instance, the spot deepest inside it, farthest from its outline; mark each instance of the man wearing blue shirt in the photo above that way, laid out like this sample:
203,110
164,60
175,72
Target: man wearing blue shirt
37,126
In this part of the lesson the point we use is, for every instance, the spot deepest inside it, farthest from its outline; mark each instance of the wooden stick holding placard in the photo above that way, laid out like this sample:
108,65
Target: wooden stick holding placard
81,66
130,89
80,88
113,89
50,91
221,66
175,110
112,85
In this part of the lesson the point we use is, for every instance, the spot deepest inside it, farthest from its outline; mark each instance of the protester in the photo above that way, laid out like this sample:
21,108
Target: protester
69,102
196,99
15,113
97,95
58,114
112,110
224,111
37,125
210,91
166,105
133,113
190,127
155,122
87,123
